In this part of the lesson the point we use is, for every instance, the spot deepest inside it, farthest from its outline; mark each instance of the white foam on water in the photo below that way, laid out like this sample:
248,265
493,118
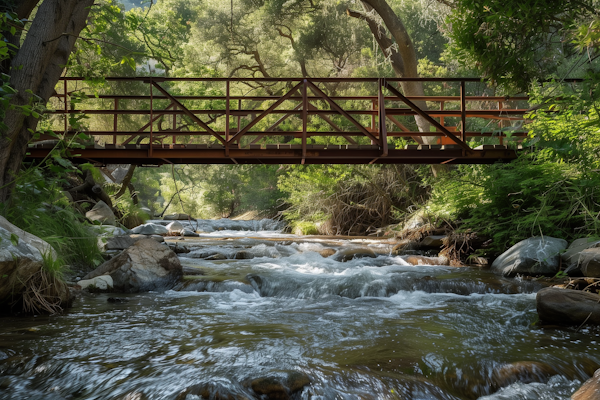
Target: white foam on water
557,388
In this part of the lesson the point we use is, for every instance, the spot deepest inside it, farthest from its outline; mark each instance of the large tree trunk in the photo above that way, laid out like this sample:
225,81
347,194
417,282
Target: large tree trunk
403,57
36,67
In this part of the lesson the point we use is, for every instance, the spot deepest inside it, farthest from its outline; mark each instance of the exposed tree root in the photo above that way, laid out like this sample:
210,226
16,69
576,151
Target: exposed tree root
44,293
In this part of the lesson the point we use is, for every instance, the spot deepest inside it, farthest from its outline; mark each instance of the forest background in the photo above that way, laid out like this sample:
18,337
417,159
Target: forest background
529,47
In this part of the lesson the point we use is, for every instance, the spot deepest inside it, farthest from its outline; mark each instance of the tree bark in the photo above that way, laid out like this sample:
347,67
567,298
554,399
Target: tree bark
36,67
404,60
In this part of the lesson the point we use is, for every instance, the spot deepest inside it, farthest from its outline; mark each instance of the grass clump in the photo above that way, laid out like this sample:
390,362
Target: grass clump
39,207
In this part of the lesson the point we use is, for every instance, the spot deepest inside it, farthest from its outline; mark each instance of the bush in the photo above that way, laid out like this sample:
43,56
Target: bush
527,197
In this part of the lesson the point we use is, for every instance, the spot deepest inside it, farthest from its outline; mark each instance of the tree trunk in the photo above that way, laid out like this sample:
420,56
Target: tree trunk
404,60
36,67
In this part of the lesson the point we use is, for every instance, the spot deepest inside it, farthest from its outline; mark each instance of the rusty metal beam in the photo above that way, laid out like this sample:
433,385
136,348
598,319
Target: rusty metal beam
427,117
265,113
187,112
336,107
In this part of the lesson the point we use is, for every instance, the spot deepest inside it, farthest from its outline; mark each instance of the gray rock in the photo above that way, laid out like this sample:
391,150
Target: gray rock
147,265
175,228
21,256
534,256
102,282
589,262
178,216
150,229
126,241
570,258
567,307
28,243
189,233
102,213
243,255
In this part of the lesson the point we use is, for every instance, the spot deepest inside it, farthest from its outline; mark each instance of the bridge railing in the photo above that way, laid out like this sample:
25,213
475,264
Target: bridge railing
245,113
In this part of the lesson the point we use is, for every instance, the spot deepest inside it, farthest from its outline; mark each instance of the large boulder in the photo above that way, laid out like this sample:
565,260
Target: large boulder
126,241
147,265
538,255
150,229
567,307
570,258
40,245
590,389
102,213
21,267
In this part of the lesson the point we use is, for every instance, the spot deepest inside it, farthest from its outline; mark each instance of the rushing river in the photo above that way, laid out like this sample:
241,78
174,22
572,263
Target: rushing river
368,328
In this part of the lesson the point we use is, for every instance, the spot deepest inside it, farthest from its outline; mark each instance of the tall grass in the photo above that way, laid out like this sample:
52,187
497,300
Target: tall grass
40,208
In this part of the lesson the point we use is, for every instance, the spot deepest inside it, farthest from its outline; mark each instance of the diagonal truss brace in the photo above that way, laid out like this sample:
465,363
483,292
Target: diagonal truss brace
188,112
423,114
336,107
264,114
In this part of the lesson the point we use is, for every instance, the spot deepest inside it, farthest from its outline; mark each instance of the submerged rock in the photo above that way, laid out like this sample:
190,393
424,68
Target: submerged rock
538,255
590,389
567,307
147,265
280,386
326,252
522,371
243,255
351,253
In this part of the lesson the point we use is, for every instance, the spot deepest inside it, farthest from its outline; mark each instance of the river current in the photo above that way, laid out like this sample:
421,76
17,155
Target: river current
367,328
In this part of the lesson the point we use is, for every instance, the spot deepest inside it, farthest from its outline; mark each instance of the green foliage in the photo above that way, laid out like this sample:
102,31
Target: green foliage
350,199
515,41
528,197
210,190
305,228
39,207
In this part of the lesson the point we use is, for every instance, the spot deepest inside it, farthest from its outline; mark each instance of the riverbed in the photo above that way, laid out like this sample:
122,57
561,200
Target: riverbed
367,328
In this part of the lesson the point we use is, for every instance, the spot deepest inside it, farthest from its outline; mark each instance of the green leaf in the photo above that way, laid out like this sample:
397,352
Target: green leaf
14,239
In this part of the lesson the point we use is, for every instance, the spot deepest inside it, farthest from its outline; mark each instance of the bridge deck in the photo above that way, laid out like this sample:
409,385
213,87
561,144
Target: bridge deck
152,121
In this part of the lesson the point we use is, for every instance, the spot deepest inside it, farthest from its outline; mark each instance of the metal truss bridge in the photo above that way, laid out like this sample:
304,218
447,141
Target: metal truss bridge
154,120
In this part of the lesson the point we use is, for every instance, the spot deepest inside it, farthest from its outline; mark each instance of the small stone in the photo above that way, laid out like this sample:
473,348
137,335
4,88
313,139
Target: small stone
243,255
422,260
348,254
326,252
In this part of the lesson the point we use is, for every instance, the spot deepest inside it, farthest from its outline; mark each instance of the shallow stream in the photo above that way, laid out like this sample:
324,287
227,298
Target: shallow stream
368,328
